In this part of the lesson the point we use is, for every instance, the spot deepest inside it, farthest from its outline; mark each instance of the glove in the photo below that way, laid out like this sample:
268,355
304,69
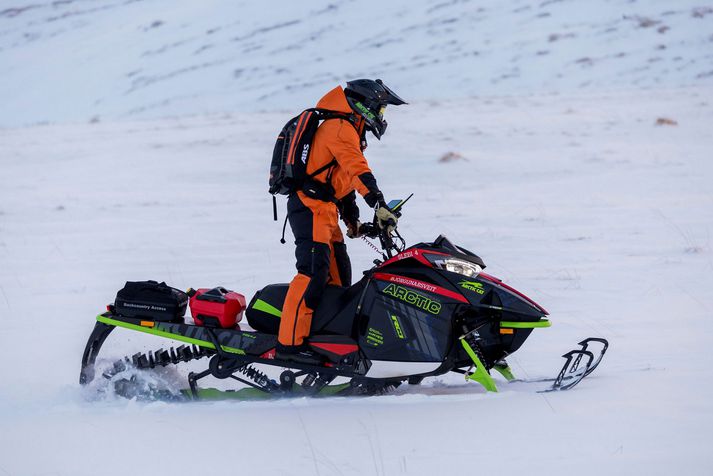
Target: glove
348,209
354,230
386,219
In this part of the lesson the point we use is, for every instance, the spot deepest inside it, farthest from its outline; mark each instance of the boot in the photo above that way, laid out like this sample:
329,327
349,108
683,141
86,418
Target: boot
301,354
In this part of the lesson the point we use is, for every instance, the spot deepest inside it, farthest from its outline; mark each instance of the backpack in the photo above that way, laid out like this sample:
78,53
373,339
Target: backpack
151,300
288,170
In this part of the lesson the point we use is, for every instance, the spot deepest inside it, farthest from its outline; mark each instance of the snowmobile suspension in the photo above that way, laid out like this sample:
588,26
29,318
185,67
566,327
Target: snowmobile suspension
160,357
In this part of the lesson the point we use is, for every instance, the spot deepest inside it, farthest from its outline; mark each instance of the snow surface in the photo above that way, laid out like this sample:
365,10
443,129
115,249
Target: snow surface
579,199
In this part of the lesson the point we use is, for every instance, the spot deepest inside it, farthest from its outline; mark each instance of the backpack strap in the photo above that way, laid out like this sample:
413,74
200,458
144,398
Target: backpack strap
284,227
325,115
322,169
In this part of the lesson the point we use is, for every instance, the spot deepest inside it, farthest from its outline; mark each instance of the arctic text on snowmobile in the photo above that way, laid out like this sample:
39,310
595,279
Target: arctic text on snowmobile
420,311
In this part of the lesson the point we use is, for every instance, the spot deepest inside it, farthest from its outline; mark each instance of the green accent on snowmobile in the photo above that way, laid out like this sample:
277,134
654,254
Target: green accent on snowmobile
481,374
160,333
333,389
505,371
250,393
525,325
261,305
397,327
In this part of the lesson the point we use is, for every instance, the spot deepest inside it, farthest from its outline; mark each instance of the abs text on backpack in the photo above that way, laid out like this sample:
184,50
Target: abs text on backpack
288,170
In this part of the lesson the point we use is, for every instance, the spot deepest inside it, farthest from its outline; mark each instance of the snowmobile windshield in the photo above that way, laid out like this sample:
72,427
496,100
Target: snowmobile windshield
446,244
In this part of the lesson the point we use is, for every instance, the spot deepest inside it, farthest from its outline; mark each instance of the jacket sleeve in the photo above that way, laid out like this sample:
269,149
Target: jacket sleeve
345,149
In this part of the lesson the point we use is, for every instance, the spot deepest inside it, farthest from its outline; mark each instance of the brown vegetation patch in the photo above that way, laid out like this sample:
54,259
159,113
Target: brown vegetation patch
642,22
665,121
451,157
559,36
701,12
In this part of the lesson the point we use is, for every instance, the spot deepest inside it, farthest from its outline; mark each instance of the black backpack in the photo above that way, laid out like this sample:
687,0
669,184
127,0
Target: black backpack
288,170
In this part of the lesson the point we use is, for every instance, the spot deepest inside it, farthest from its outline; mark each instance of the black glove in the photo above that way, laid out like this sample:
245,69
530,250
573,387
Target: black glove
355,230
348,210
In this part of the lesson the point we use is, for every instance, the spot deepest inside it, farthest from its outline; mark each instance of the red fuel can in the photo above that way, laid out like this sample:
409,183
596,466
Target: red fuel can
216,307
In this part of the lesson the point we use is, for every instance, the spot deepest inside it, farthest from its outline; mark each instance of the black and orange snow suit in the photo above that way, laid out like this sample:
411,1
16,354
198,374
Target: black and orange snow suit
320,250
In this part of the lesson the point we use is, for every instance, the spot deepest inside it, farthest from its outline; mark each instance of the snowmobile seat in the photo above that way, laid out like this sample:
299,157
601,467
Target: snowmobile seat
334,315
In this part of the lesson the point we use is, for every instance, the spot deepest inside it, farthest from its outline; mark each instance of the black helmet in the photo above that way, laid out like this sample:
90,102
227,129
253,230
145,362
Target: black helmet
368,98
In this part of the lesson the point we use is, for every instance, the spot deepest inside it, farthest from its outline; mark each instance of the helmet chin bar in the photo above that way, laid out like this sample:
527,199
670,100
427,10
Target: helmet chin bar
381,128
376,128
371,114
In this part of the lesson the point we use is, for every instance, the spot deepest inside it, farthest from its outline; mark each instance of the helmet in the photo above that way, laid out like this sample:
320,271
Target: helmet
368,98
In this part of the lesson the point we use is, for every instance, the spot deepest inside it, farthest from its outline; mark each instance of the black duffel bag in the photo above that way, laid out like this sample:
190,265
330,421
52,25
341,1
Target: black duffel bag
152,301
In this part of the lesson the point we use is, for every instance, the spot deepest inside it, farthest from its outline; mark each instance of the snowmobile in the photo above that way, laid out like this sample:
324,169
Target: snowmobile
419,311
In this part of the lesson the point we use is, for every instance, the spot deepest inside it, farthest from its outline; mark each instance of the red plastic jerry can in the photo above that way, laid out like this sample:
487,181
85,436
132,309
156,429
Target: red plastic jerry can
216,307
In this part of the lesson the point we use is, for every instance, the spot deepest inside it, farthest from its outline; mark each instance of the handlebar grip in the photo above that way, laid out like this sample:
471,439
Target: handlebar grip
368,229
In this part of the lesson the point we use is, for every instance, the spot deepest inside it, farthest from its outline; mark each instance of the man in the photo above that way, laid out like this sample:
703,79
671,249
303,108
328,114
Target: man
337,150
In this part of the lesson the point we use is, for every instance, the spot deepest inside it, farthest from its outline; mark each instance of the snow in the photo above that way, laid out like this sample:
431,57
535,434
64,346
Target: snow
571,193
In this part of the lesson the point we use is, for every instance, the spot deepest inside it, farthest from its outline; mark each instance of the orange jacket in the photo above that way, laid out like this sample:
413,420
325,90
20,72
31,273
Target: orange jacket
339,139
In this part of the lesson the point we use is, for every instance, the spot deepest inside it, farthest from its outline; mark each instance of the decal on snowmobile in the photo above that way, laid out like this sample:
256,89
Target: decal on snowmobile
422,285
412,297
397,327
374,337
472,286
415,254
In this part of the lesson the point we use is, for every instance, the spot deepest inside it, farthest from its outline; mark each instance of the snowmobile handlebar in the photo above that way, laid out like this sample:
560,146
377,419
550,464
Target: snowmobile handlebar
391,241
369,230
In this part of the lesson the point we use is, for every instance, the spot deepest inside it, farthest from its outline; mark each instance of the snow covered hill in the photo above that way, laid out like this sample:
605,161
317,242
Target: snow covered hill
83,59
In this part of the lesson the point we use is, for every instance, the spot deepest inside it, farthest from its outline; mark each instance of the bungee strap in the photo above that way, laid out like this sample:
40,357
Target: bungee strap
284,226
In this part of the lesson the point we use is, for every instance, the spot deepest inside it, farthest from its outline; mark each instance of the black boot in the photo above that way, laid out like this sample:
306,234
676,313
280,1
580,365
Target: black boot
298,353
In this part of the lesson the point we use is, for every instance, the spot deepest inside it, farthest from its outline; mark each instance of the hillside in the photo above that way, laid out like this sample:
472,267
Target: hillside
77,60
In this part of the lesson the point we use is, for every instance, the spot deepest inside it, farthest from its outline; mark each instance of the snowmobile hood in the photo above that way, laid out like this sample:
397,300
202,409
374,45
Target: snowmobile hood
335,100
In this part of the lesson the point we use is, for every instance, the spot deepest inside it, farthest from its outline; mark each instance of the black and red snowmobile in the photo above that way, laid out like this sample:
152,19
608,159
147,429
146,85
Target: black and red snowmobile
420,311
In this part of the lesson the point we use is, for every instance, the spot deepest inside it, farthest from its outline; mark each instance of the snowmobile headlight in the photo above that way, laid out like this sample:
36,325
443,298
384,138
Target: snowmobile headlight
459,266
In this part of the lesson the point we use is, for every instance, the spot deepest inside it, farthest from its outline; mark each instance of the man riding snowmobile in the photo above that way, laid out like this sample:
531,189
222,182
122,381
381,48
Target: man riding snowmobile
420,311
336,169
